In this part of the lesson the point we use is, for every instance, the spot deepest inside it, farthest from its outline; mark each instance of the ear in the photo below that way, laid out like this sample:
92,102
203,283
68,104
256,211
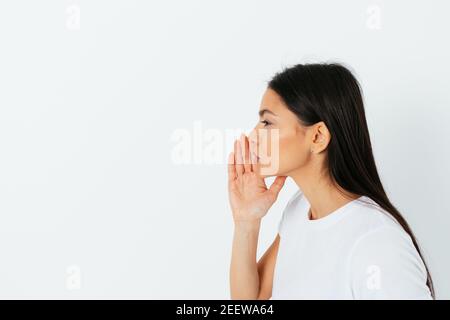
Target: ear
320,137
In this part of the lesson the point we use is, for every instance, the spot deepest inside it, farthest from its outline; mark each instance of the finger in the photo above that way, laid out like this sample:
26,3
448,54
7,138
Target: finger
253,151
246,153
231,167
253,158
277,185
238,158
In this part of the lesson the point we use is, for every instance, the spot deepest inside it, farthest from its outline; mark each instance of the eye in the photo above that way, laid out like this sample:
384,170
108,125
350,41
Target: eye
266,123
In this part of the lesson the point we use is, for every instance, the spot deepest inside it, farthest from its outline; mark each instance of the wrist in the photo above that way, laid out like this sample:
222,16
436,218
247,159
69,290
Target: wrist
247,224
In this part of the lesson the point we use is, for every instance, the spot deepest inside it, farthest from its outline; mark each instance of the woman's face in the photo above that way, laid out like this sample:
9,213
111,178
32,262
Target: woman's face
279,140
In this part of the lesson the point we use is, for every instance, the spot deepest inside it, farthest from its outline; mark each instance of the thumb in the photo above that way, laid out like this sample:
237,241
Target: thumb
277,185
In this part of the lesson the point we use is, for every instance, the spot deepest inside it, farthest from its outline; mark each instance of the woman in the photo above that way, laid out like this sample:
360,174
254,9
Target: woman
339,237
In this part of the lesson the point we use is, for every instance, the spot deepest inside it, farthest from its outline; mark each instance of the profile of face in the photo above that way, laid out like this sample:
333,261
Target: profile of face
279,140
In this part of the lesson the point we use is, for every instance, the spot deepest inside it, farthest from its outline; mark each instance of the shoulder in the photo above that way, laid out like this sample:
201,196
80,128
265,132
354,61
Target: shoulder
297,196
385,241
292,202
289,210
367,220
384,263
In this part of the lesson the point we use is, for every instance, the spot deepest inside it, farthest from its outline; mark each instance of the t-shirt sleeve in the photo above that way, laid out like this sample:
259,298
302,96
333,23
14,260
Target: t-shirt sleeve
282,222
287,212
384,264
284,216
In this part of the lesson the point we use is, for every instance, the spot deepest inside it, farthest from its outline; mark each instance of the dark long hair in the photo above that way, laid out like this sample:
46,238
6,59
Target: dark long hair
330,93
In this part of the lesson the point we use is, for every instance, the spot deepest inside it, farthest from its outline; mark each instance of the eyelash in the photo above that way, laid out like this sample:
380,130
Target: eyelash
265,122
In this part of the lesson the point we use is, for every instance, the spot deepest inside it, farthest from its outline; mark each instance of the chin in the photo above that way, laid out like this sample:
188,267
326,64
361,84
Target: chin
267,173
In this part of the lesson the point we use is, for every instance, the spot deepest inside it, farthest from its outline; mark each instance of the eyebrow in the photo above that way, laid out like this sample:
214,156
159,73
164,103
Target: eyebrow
261,112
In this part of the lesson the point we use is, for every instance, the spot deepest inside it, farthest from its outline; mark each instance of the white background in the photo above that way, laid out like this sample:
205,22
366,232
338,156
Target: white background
92,203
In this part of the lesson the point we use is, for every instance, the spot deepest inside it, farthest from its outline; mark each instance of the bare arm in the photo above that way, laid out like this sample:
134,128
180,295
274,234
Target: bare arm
266,268
248,279
244,280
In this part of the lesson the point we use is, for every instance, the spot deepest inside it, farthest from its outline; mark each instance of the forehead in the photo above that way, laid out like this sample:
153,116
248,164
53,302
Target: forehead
273,102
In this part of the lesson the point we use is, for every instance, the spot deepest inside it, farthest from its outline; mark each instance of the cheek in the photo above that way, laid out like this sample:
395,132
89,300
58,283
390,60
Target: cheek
268,142
286,144
282,153
292,151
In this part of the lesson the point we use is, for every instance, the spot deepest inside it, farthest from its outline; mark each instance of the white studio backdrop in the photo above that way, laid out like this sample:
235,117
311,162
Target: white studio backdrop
98,96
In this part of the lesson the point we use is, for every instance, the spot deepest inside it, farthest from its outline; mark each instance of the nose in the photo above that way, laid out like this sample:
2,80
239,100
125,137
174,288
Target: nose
252,137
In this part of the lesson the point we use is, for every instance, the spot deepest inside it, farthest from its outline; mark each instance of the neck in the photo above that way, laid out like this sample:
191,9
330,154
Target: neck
323,196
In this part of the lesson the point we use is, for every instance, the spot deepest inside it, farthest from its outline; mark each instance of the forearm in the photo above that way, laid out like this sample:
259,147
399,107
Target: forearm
244,278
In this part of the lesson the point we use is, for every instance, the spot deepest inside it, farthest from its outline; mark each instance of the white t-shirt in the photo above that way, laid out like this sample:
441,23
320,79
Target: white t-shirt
358,251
